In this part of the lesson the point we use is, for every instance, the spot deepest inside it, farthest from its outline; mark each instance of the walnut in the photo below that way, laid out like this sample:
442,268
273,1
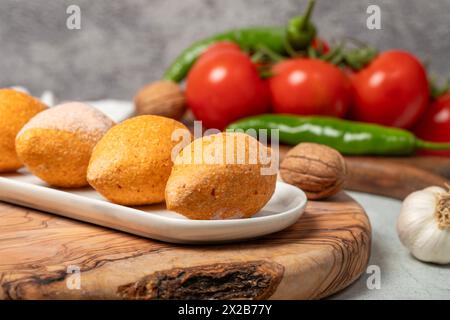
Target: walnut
161,98
318,170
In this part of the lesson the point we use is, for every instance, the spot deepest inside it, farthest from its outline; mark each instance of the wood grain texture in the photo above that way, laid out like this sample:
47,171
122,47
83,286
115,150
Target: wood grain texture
437,165
325,251
388,178
394,177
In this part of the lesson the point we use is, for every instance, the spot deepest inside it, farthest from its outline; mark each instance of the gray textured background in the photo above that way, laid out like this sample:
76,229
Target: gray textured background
124,44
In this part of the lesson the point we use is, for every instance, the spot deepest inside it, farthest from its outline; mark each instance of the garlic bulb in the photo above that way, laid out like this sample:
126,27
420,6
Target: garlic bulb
424,224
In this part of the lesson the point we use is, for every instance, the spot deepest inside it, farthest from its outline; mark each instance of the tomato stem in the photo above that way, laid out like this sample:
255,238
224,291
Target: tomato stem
312,52
258,56
275,57
332,53
437,90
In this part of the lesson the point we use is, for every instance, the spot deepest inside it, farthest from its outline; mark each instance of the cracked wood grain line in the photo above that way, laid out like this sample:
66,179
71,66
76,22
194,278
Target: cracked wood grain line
251,280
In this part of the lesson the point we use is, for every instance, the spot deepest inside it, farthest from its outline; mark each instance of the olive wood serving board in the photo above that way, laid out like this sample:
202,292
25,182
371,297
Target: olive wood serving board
325,251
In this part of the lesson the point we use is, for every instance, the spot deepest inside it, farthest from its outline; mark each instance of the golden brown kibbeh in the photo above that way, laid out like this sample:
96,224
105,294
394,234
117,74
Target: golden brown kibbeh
56,144
16,109
221,188
132,162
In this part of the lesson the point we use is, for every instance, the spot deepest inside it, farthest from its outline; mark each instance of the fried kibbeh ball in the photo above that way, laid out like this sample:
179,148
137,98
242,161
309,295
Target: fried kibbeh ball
16,109
56,144
229,181
132,162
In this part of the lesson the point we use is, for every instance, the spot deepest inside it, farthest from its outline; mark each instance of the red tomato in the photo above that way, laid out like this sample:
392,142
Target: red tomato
320,45
308,87
225,86
220,46
392,90
434,124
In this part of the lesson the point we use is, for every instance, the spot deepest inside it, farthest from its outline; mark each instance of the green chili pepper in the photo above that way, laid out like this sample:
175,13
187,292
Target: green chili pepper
249,39
348,137
299,33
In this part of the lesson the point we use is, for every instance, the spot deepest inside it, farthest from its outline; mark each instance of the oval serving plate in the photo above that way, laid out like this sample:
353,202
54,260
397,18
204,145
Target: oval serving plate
156,222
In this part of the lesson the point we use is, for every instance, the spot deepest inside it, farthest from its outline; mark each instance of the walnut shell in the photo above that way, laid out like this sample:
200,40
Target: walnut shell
161,98
318,170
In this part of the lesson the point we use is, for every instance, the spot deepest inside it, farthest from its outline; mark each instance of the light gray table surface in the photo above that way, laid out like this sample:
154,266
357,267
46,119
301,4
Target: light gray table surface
401,276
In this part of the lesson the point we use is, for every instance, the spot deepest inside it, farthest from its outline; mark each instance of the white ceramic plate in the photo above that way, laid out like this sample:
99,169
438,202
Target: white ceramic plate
155,222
